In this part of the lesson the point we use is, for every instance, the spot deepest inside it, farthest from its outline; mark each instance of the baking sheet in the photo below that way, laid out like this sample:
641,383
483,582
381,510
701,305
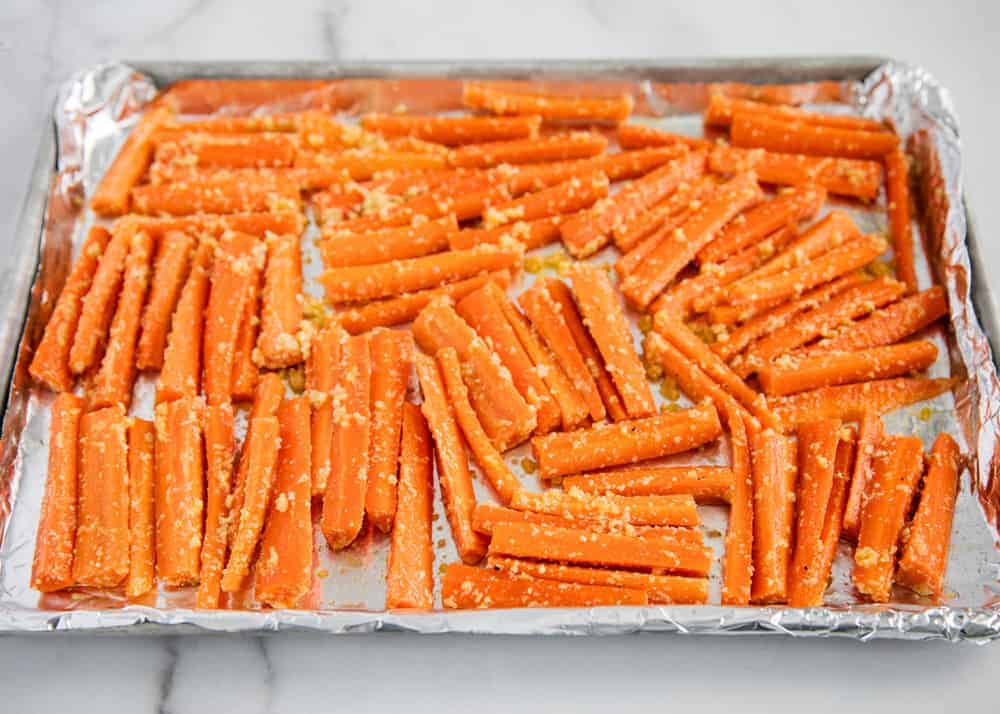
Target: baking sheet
95,109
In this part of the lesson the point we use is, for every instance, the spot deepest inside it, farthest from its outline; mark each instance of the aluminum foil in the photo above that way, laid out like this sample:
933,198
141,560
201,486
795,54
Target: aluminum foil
93,114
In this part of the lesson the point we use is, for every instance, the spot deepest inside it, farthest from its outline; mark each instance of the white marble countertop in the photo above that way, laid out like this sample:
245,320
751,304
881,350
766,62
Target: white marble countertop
42,42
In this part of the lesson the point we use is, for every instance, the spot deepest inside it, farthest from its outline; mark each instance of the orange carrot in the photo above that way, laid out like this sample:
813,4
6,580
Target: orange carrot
363,164
634,164
640,136
721,110
340,250
498,101
850,401
870,434
101,549
409,578
607,445
142,550
240,125
224,194
833,525
453,131
897,190
255,150
452,464
925,553
321,378
673,510
896,469
112,195
737,564
774,476
575,145
256,224
466,588
661,218
797,137
281,304
169,273
246,373
530,234
181,373
219,449
706,484
50,365
576,194
115,377
344,500
52,567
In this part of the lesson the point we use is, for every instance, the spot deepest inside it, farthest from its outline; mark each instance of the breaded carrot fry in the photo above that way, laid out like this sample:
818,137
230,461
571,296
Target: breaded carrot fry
505,415
114,379
101,549
219,451
896,469
706,484
347,485
281,304
452,464
224,194
245,370
530,234
925,553
640,136
467,588
774,476
170,270
897,191
142,517
663,217
737,564
52,566
559,147
756,131
453,131
850,401
817,455
284,567
721,109
340,250
498,101
181,372
255,150
870,433
321,377
112,195
392,360
99,304
576,194
50,365
673,510
409,578
607,445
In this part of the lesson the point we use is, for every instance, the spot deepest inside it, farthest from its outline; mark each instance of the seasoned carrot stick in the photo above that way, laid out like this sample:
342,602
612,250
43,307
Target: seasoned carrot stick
498,101
112,195
774,475
850,401
340,250
344,500
897,190
364,164
181,373
392,359
98,304
409,578
607,445
452,464
114,379
870,433
364,282
827,370
321,377
239,125
529,540
640,136
576,145
283,571
811,139
634,164
221,195
662,217
169,273
706,484
530,234
281,304
142,519
483,310
721,109
925,553
737,564
673,510
101,550
817,454
304,178
453,131
896,469
467,588
50,365
833,525
219,450
505,415
52,567
844,177
256,224
255,150
576,194
246,373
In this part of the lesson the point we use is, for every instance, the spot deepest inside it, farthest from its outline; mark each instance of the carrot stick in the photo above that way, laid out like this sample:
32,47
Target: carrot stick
661,218
321,377
467,588
52,566
530,234
528,540
240,125
673,510
774,477
497,101
575,145
706,484
392,359
219,449
843,177
169,273
217,195
817,454
635,164
721,110
284,568
669,257
896,469
505,415
344,500
849,401
800,138
246,373
214,224
607,445
483,310
640,136
101,549
181,371
363,164
402,276
737,564
827,370
452,464
870,434
409,578
255,150
281,304
925,553
340,250
115,377
112,195
141,479
50,365
576,194
897,190
453,131
98,304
